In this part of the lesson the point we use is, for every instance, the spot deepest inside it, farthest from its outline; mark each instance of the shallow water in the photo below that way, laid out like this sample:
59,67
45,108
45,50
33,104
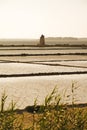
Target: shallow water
24,90
4,52
22,68
42,58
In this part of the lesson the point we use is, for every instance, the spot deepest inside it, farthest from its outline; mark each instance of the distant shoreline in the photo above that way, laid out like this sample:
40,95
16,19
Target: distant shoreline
47,45
49,42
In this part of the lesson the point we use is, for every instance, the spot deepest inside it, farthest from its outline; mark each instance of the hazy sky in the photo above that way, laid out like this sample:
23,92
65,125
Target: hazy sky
31,18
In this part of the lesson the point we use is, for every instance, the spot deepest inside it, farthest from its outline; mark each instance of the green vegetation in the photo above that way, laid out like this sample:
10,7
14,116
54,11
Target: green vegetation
8,118
52,115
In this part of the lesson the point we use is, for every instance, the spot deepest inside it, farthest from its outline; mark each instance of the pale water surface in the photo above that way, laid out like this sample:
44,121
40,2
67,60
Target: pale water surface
24,90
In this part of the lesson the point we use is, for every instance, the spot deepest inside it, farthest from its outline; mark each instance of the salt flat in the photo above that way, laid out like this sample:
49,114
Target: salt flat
24,90
78,64
22,68
42,58
11,52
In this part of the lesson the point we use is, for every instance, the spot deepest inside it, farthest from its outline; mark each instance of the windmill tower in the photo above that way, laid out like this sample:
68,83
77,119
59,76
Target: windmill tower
42,40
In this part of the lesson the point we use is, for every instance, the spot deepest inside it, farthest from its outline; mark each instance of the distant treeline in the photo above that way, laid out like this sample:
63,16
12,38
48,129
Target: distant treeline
66,38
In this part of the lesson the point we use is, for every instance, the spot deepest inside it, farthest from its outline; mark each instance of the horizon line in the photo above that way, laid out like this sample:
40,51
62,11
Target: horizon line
45,38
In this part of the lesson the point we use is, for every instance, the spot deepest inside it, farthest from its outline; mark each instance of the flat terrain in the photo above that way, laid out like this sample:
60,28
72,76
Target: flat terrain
29,72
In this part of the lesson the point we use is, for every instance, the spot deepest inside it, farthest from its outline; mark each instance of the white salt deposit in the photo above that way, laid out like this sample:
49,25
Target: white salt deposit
24,90
22,68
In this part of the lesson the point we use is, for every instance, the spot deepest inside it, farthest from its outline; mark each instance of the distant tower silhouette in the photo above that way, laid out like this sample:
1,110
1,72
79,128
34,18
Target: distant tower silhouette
42,40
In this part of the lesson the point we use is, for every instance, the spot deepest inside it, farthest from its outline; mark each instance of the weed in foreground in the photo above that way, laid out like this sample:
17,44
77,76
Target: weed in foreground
57,116
8,118
52,115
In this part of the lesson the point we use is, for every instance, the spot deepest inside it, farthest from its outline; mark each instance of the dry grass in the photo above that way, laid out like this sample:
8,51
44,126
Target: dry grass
52,115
